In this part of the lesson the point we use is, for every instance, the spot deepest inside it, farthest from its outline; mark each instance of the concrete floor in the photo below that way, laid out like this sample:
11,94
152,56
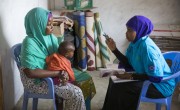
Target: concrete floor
97,102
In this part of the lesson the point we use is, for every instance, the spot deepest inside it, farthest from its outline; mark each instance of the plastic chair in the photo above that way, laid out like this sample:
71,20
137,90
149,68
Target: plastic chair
175,68
16,49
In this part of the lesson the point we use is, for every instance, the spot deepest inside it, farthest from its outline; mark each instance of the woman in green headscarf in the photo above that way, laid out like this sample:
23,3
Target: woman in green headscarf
37,45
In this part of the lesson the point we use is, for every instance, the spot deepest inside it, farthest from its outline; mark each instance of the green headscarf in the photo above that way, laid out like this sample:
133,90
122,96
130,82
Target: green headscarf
37,45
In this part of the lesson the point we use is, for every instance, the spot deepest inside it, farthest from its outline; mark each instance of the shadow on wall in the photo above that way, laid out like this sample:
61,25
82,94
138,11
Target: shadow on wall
7,71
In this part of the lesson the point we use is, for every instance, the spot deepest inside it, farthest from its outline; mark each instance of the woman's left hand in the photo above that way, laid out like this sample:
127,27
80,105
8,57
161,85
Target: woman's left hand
111,44
123,76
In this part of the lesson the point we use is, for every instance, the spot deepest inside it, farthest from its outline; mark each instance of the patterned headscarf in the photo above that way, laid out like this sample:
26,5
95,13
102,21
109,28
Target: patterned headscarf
141,25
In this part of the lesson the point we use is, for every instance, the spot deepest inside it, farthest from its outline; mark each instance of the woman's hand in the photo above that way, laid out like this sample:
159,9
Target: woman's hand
111,44
64,77
123,76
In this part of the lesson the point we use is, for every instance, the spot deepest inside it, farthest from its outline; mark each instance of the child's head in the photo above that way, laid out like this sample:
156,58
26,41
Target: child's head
66,49
138,27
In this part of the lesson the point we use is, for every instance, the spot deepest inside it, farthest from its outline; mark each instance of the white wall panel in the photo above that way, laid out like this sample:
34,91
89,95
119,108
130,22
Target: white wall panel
12,13
115,13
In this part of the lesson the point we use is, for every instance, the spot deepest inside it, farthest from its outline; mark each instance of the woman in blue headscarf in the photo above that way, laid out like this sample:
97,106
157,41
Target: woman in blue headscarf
143,57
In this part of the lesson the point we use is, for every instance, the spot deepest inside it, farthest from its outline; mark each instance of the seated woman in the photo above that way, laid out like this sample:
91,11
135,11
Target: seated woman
146,59
37,45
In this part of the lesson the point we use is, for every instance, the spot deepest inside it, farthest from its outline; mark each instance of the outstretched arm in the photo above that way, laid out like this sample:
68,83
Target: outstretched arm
112,46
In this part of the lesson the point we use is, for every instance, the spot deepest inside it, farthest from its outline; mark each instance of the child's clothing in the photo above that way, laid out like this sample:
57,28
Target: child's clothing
60,63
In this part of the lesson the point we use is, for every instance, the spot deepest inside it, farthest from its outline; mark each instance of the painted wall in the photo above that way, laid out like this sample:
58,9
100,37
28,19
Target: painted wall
12,13
115,13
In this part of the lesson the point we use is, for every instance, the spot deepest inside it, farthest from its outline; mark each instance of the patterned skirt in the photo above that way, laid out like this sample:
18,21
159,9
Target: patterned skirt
72,95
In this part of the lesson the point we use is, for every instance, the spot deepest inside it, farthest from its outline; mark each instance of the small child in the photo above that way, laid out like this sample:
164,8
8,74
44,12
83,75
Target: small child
60,61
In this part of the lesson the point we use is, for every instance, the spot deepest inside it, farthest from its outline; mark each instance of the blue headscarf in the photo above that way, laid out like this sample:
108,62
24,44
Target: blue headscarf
141,25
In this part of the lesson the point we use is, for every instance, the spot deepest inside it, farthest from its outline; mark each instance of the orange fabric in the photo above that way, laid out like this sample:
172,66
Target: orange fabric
58,62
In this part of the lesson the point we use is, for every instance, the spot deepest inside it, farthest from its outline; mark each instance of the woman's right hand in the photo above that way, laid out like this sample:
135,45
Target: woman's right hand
64,77
111,44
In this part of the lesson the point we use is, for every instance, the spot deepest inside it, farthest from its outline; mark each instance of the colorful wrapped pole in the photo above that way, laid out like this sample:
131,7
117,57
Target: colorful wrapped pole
91,65
80,38
103,54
